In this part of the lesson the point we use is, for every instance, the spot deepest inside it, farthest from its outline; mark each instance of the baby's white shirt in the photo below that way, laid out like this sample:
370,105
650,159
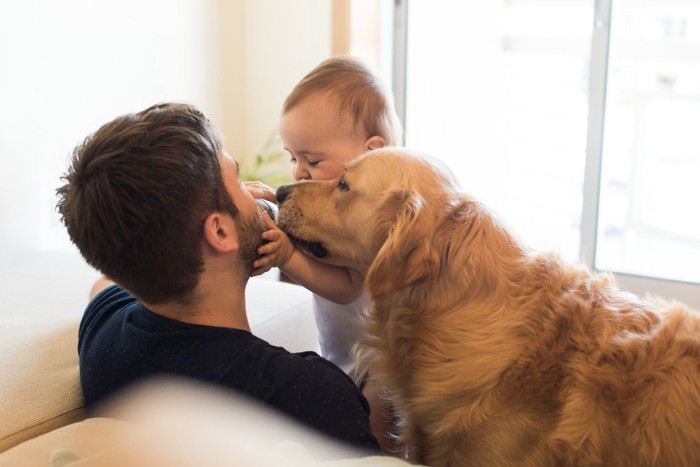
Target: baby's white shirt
339,330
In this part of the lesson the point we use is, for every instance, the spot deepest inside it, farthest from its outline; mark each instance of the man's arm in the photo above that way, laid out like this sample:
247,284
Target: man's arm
99,285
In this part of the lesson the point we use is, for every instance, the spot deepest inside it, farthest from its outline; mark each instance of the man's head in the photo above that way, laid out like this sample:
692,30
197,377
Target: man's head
137,196
337,112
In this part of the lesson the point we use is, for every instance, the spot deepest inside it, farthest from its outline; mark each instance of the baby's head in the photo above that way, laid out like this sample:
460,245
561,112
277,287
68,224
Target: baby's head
336,113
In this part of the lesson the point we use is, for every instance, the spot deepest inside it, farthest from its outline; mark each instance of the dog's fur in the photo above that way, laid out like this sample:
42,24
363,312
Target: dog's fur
493,354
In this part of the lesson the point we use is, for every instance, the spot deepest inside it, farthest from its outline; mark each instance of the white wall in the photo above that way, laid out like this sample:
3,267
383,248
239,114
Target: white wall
67,67
281,41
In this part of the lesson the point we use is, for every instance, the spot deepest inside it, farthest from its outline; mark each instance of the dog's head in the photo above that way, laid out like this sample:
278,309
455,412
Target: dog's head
374,217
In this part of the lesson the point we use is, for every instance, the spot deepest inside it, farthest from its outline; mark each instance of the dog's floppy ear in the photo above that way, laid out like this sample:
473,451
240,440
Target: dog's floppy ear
407,256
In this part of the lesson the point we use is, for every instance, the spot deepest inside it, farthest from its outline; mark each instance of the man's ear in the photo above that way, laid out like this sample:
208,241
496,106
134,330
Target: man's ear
374,142
220,232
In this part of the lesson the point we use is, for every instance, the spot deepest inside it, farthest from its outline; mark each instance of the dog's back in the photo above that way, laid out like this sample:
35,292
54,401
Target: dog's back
633,396
626,371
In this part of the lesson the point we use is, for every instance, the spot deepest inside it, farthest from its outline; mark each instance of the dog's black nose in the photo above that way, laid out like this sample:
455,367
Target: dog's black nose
282,193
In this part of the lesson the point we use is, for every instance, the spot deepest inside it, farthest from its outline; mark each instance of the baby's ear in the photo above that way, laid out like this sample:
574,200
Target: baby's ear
407,255
374,142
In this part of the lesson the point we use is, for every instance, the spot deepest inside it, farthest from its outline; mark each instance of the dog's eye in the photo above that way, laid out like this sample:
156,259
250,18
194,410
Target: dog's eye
342,186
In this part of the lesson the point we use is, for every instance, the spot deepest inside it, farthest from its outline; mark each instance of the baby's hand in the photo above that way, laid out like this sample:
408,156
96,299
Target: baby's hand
276,252
260,190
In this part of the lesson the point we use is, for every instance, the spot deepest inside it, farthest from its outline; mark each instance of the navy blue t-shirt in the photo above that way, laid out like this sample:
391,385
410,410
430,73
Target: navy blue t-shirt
121,342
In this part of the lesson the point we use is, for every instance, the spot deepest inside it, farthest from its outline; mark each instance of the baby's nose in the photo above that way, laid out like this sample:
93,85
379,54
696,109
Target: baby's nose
300,172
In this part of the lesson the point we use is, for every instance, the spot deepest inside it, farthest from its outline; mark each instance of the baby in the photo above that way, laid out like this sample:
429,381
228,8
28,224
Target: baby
336,113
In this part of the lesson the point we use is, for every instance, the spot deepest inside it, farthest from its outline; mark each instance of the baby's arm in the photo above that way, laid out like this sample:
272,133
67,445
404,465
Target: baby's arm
338,284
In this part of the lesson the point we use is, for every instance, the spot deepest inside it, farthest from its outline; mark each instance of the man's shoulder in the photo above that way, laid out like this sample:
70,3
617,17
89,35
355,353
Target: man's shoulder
111,296
103,306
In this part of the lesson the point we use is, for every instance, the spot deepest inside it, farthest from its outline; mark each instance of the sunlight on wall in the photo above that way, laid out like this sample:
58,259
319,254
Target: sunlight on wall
68,67
279,41
506,108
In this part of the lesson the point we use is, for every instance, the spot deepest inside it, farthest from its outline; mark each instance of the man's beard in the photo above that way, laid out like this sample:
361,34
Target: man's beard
250,230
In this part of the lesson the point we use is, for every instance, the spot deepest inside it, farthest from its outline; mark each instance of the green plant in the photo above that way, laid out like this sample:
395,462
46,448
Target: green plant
270,165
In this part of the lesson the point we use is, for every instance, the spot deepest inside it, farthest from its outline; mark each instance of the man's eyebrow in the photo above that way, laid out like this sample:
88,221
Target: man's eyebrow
238,166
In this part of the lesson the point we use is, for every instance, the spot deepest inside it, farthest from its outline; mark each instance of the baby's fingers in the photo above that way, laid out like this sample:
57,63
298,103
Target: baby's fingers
267,248
271,235
262,262
269,223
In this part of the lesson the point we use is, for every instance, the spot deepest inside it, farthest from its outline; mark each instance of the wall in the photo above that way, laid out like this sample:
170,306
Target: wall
278,43
67,67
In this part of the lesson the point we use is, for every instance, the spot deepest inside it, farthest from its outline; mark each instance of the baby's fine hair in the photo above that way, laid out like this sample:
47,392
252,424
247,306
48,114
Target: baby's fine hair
359,94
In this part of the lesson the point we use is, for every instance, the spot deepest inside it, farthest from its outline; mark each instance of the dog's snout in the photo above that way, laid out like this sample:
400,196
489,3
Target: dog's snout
282,193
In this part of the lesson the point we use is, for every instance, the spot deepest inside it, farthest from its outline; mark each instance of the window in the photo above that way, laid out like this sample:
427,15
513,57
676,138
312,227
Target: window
651,145
498,91
576,121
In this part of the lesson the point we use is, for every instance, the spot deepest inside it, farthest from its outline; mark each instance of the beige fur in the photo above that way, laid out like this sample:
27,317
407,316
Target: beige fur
493,354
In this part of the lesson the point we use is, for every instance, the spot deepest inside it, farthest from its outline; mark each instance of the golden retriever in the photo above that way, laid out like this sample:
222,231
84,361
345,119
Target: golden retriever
493,354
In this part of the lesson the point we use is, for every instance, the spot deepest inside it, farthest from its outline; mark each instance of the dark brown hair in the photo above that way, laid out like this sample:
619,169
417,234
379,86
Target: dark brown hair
136,195
363,101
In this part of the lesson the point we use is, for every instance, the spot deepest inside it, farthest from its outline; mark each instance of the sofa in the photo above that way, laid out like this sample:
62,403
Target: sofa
42,416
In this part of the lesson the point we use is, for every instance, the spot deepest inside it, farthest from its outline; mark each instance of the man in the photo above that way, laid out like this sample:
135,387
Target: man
154,203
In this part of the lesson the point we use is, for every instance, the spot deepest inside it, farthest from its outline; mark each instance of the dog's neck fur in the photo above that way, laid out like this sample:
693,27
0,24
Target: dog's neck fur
398,312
